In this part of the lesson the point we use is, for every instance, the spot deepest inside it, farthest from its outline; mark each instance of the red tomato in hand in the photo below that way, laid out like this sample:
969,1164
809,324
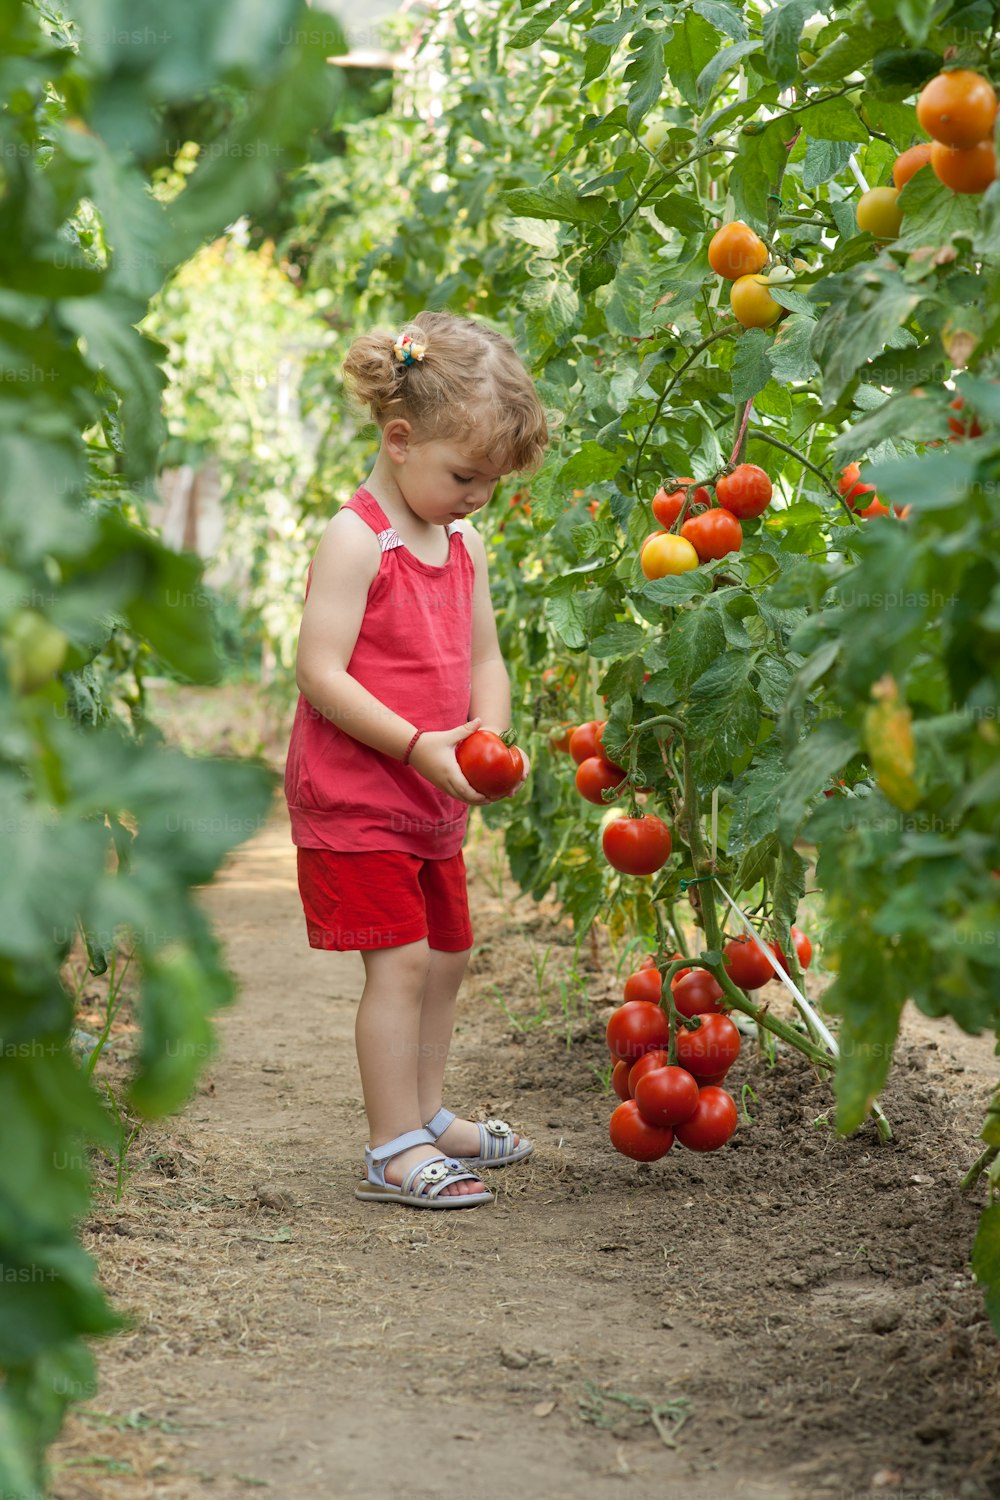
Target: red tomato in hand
489,765
714,534
649,1060
644,984
667,507
745,493
633,1137
697,993
594,775
619,1078
803,950
666,1096
637,846
712,1123
636,1028
585,742
711,1049
746,963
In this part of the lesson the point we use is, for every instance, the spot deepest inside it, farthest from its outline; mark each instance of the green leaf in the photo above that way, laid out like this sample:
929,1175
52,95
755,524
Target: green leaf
824,751
905,67
561,203
824,160
756,169
725,59
852,332
696,640
847,52
589,464
691,46
539,25
932,481
724,16
790,352
724,713
868,993
895,418
751,364
782,29
986,1261
679,589
645,74
833,119
551,305
566,616
120,351
620,639
933,214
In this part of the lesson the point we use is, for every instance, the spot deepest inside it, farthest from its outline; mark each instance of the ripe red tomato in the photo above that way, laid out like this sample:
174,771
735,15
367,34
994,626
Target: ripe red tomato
713,534
710,1050
959,428
633,1137
489,765
649,962
696,993
595,775
584,742
712,1123
637,846
745,493
559,737
746,964
644,984
852,490
667,507
666,1096
803,949
635,1028
645,1064
619,1078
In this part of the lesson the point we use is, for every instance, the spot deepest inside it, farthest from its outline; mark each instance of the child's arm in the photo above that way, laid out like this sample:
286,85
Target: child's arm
344,568
490,699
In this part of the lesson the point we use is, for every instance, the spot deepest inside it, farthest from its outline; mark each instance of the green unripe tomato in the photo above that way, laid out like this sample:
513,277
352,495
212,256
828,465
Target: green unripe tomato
34,649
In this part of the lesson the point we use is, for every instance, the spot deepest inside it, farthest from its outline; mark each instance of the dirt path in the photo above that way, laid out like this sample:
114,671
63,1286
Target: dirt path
805,1300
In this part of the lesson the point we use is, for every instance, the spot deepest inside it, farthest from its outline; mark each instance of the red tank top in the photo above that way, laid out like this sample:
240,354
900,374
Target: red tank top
414,654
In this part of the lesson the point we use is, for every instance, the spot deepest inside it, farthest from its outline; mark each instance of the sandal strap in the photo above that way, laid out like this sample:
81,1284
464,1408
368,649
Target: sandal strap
429,1178
378,1155
496,1139
439,1124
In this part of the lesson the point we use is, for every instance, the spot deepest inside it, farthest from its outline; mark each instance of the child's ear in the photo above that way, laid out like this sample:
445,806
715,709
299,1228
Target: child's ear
396,439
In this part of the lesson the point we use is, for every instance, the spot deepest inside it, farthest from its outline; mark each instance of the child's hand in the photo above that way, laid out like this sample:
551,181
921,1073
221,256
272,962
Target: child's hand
434,757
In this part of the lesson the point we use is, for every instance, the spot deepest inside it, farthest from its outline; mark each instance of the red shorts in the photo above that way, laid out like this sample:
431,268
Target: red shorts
383,900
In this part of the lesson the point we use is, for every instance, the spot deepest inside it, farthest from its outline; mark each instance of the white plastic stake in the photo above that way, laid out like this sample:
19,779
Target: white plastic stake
802,1004
859,176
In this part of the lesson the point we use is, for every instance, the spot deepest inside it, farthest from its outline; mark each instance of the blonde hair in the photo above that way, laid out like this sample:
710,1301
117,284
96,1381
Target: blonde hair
469,384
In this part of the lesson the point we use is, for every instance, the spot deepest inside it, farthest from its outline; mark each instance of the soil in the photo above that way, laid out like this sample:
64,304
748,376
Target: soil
791,1318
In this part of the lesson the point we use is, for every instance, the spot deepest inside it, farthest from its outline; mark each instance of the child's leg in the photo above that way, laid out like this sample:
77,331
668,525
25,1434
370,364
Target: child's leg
387,1034
445,973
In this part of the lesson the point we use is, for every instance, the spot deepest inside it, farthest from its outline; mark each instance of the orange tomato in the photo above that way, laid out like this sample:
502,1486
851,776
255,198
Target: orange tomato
752,302
665,555
736,250
965,171
878,213
958,108
875,509
908,163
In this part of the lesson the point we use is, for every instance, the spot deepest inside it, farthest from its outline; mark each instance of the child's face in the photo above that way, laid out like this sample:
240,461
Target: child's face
443,481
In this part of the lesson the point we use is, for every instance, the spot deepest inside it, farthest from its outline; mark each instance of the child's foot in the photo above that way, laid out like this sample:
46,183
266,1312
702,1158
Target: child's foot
398,1166
462,1138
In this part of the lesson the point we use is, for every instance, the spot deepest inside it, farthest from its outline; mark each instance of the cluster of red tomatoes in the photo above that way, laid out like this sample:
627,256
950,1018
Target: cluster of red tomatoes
635,846
662,1100
706,532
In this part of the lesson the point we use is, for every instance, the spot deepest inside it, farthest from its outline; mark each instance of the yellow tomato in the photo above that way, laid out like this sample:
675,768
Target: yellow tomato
877,211
752,302
665,554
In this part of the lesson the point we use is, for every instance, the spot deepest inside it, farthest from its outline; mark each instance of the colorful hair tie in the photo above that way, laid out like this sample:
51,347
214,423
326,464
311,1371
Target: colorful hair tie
408,352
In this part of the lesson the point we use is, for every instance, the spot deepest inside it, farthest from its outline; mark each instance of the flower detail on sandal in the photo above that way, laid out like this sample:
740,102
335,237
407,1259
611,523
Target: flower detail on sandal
496,1141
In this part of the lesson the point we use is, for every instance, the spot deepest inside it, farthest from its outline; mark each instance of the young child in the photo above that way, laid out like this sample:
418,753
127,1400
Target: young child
398,661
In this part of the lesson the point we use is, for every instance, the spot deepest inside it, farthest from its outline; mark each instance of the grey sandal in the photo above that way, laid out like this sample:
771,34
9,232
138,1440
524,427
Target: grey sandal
496,1148
423,1186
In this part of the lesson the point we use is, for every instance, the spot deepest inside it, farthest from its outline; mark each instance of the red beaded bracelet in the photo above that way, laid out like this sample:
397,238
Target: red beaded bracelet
409,748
